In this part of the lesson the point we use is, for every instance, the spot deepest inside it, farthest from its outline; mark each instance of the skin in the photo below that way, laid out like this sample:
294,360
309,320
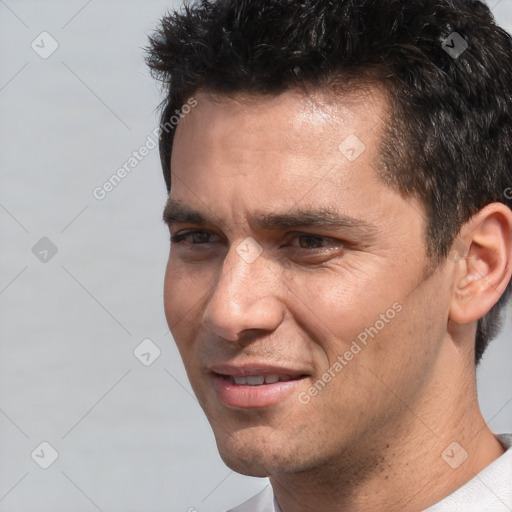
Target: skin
372,438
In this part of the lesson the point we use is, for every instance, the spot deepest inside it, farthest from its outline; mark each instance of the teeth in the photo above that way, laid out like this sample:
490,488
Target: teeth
255,380
258,380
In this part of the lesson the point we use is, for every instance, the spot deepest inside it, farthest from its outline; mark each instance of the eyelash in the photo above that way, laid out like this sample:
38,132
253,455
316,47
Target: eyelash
178,238
181,237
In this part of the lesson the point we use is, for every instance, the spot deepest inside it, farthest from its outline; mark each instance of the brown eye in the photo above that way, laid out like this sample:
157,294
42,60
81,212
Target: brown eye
311,242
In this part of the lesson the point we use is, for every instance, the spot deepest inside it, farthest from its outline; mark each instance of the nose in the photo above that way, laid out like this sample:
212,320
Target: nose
245,298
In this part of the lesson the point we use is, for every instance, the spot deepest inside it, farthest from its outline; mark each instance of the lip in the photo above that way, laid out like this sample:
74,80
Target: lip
240,396
244,370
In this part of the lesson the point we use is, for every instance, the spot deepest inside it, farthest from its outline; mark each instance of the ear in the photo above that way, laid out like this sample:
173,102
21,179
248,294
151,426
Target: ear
483,265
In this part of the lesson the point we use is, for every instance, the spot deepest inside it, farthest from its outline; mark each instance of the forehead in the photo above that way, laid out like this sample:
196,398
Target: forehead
294,148
295,116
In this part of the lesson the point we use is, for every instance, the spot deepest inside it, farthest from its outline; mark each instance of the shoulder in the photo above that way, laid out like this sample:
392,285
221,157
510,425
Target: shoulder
489,490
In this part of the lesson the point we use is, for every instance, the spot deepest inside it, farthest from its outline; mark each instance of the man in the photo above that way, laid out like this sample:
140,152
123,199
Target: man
341,243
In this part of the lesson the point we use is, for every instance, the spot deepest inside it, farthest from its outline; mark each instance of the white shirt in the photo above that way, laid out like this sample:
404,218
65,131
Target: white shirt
489,491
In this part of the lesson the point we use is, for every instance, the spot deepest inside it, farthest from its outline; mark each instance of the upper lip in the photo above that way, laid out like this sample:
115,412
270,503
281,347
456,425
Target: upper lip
247,369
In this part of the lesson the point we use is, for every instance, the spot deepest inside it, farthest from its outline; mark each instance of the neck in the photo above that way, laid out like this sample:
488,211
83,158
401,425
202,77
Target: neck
407,467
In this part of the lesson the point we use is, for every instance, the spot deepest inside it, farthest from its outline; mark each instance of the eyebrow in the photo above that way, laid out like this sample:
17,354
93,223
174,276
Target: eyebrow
322,218
179,213
176,212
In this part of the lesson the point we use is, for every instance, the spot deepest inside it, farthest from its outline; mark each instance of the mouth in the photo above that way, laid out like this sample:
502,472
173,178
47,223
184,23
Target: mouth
251,387
260,380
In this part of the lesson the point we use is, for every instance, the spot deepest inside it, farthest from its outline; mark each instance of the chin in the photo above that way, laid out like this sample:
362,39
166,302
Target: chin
244,466
260,454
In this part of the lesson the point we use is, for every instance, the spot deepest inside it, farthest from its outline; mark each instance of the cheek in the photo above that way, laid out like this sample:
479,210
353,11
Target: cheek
182,300
172,291
338,305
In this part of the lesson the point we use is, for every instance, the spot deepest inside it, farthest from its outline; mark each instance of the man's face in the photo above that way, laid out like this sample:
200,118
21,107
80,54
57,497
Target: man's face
296,288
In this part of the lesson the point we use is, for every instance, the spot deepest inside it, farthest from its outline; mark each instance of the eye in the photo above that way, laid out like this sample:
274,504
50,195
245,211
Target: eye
306,241
309,241
192,237
309,249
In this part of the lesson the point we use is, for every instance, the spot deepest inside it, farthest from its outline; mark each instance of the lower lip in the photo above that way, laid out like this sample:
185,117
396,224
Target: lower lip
239,396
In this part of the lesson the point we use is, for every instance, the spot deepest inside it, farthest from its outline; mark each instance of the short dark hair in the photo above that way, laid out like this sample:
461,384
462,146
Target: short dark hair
448,140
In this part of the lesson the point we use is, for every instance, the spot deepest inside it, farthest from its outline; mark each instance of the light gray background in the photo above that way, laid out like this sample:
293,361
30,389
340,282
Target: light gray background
129,437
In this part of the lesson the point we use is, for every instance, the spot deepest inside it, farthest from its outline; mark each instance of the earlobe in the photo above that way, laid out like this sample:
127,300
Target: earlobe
484,266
